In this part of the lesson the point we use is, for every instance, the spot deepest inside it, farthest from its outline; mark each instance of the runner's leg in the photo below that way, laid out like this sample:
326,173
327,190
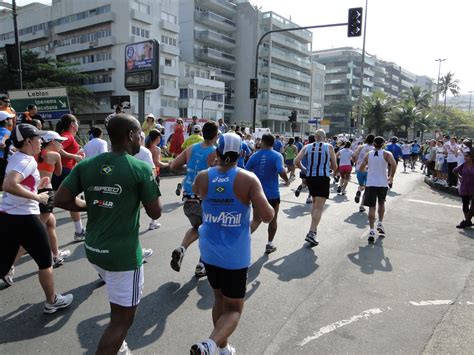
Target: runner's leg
318,205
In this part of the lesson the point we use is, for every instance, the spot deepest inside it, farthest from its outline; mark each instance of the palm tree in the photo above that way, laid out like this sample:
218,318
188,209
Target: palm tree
376,109
404,116
448,83
421,98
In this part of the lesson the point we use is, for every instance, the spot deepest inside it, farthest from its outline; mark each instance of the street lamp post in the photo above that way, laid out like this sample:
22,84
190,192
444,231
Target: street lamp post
437,85
17,41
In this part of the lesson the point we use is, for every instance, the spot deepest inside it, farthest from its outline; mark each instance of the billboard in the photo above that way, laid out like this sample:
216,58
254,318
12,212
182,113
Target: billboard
142,65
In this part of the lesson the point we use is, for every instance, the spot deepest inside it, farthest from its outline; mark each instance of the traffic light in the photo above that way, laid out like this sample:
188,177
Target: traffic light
354,22
293,117
12,57
253,88
293,126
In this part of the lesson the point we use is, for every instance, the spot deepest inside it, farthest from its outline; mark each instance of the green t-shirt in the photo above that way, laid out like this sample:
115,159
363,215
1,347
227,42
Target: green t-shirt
113,185
291,152
192,139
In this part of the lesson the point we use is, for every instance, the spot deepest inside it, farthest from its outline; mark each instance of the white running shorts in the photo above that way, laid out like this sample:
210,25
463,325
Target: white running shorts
124,288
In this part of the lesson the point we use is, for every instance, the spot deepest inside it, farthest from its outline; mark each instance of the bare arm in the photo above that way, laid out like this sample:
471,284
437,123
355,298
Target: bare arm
200,184
211,159
67,155
332,155
153,208
299,158
259,201
393,164
65,199
11,184
157,158
180,160
56,159
356,154
364,163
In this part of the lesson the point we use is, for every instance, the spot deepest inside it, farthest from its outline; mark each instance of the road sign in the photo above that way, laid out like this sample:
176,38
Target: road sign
52,103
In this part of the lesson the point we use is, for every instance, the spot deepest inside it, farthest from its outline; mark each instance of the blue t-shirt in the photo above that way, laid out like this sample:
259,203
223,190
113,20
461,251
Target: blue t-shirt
4,135
243,155
395,149
415,148
197,162
266,164
277,145
299,145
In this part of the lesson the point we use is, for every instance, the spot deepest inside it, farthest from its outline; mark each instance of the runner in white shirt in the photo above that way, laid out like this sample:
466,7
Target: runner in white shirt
358,157
406,155
345,167
96,145
452,149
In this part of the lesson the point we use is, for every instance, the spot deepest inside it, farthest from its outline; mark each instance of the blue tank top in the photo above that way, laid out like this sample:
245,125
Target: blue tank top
196,163
317,159
224,236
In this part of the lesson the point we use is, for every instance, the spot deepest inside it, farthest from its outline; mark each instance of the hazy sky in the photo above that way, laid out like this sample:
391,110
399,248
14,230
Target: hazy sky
411,33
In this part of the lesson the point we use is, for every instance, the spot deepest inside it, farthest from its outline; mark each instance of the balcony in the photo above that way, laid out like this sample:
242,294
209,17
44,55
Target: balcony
166,48
293,74
290,43
169,26
142,17
164,69
101,87
220,6
302,35
97,66
291,59
215,21
78,47
224,75
167,91
87,22
169,112
214,38
214,56
29,37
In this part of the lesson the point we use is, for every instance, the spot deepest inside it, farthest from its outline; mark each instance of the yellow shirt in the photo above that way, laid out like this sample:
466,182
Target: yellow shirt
192,139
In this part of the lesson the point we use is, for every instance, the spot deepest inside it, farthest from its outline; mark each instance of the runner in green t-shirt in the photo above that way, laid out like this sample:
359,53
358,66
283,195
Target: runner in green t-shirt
290,153
114,185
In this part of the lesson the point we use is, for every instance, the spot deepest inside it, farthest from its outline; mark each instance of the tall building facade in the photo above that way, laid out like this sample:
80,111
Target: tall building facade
92,34
343,79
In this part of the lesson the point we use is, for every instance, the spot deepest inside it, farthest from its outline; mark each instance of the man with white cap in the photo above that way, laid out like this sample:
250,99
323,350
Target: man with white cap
224,238
195,137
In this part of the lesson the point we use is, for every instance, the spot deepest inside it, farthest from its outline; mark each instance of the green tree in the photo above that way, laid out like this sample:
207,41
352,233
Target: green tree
448,83
48,73
404,115
375,109
421,98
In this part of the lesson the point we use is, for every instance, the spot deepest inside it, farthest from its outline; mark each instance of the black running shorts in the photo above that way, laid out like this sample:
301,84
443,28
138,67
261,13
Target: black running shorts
232,283
49,206
318,186
27,231
373,194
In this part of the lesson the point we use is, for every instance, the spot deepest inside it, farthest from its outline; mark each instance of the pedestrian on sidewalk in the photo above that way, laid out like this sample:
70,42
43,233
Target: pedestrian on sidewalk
465,172
19,213
320,159
114,185
377,161
267,164
224,238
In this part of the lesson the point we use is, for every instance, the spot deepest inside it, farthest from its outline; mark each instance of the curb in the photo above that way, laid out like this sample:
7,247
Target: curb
450,190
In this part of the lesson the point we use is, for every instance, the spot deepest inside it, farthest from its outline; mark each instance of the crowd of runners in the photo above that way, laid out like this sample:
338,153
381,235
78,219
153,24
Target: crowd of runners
231,187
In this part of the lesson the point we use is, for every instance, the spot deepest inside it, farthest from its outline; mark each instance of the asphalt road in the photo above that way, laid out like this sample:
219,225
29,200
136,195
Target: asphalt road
410,293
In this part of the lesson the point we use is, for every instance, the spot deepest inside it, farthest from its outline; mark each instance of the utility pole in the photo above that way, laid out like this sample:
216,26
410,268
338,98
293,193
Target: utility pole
470,98
17,41
361,94
437,85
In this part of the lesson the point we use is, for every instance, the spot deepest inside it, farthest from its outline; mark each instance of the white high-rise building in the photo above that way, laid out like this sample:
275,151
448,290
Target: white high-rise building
92,34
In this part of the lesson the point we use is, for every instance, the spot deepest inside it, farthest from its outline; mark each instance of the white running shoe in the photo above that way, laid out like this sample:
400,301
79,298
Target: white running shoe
146,253
380,228
80,237
361,209
124,349
154,225
60,301
200,270
309,199
8,278
371,236
228,350
204,348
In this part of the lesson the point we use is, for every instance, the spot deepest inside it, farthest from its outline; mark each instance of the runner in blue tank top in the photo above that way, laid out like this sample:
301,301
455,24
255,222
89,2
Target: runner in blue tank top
267,164
224,241
197,157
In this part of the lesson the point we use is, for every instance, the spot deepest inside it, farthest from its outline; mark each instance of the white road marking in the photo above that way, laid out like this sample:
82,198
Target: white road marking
431,303
434,203
470,303
329,328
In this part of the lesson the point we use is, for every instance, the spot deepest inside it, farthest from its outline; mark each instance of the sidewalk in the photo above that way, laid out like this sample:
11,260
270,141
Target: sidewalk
447,189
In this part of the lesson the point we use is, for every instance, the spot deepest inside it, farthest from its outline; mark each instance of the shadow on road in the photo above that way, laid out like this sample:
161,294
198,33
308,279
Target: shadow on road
340,198
252,283
170,207
297,265
359,219
371,258
28,321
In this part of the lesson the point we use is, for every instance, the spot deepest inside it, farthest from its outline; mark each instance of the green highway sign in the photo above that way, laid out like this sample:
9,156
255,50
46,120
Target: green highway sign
52,103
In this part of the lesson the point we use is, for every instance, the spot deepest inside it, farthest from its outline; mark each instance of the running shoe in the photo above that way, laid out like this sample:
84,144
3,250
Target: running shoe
60,301
200,270
298,190
124,349
309,199
57,261
146,253
357,197
311,238
178,189
8,278
339,189
228,350
361,209
80,237
154,225
371,236
270,248
202,348
380,229
177,258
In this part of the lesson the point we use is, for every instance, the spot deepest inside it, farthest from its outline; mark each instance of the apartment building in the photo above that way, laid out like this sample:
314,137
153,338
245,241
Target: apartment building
207,38
199,93
343,78
92,34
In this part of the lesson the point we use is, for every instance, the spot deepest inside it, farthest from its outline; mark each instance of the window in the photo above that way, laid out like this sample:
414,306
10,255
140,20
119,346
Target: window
141,7
169,103
168,40
170,62
137,31
168,82
183,112
169,17
183,93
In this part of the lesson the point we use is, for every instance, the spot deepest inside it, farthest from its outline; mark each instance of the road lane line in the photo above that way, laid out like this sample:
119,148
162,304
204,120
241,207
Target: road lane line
432,303
331,327
434,203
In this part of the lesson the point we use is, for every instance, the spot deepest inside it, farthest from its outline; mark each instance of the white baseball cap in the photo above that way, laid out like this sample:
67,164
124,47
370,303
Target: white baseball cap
4,115
52,136
229,142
